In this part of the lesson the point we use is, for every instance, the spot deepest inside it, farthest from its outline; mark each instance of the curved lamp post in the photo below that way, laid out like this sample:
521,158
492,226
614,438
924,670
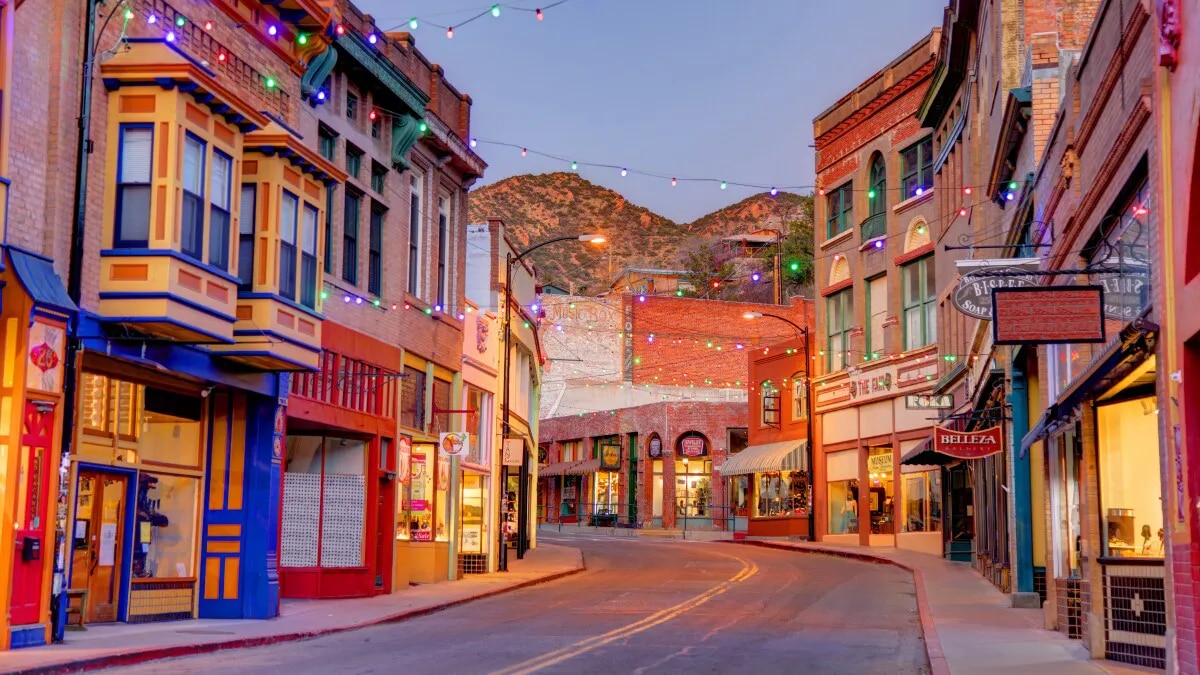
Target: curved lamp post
523,510
803,331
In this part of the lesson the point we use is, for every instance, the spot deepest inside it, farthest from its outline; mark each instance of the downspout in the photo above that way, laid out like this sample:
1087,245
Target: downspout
75,291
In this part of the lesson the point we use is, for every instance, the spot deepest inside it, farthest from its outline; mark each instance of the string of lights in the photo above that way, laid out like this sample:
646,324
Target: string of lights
414,23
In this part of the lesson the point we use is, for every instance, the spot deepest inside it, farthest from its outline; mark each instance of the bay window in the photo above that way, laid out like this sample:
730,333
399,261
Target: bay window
219,207
132,224
308,258
192,220
246,236
288,213
920,303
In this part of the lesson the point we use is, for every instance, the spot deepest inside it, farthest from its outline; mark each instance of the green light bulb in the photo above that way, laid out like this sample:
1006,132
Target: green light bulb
302,39
179,21
1012,185
495,10
324,295
270,83
724,185
795,267
412,23
574,165
871,194
128,14
423,127
376,303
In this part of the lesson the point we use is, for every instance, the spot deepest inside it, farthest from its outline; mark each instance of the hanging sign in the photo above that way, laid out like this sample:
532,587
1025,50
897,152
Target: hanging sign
403,460
973,296
968,444
691,446
454,443
928,401
610,457
514,450
655,449
1061,314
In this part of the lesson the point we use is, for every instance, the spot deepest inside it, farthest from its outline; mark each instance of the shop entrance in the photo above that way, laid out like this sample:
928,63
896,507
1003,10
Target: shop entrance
98,540
962,513
27,590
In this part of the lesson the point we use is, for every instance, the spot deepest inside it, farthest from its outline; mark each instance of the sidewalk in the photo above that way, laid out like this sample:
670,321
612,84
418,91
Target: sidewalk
969,625
109,645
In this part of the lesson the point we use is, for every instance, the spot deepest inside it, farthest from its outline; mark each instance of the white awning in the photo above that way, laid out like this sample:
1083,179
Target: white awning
781,456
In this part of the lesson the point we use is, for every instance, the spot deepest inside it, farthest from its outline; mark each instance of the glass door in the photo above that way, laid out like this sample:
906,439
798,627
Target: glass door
98,541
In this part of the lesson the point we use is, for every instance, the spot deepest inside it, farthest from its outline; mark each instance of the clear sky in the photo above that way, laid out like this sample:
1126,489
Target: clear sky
725,89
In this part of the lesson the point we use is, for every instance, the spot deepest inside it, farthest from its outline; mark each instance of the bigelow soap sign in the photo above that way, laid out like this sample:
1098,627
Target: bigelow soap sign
973,296
968,444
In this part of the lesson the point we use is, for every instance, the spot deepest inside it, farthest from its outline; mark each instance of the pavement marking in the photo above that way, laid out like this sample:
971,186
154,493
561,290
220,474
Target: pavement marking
660,617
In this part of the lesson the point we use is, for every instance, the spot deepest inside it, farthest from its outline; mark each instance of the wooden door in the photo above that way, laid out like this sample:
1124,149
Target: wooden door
98,541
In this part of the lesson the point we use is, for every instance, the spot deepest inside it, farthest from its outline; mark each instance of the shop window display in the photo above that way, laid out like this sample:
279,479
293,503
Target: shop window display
843,507
923,501
781,493
693,488
423,504
1130,487
473,532
739,487
606,492
165,526
657,494
879,468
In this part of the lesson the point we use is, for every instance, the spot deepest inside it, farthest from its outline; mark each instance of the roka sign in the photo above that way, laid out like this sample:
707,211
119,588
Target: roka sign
968,444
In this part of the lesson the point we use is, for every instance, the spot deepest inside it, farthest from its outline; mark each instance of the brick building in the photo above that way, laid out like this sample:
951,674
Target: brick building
876,231
1177,196
655,465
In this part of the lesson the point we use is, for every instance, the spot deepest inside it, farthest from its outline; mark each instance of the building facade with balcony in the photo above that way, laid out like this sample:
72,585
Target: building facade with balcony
876,333
363,429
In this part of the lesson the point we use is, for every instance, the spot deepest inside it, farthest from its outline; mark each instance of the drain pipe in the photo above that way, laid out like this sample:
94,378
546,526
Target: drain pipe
58,604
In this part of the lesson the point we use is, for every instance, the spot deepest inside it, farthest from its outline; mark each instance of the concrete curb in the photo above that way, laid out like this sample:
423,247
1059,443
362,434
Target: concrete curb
129,659
933,646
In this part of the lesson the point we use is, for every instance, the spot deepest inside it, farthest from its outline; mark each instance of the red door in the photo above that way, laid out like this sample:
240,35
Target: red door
32,547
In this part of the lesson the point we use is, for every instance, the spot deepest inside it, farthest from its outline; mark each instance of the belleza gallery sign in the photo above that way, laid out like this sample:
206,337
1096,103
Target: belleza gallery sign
968,444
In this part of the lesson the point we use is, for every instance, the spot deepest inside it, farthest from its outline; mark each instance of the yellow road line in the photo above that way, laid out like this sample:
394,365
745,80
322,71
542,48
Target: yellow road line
662,616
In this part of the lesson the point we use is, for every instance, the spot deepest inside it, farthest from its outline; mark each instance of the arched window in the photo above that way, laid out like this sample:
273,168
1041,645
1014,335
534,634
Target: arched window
878,183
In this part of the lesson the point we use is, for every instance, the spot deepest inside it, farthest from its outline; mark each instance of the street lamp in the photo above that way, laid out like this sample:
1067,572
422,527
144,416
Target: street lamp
522,511
802,330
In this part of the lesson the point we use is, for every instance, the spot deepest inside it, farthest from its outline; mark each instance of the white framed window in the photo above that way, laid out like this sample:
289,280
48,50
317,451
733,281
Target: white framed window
443,267
192,221
133,187
246,212
288,214
416,184
220,187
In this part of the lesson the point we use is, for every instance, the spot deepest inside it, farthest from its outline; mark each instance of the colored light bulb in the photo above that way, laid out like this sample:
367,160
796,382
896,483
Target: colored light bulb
871,193
1010,196
413,24
324,294
128,14
422,127
524,151
962,212
179,21
272,30
474,142
208,25
966,191
372,115
774,191
321,95
795,267
302,39
376,302
152,19
821,191
919,191
724,185
879,243
574,165
641,298
221,57
372,38
540,16
450,33
270,83
674,182
358,301
170,36
341,30
679,294
495,10
624,172
1012,185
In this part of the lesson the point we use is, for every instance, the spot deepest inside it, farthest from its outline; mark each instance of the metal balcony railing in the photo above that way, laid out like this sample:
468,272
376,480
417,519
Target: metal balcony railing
874,226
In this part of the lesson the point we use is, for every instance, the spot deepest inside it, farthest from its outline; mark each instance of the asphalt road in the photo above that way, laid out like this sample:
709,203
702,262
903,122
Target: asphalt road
642,606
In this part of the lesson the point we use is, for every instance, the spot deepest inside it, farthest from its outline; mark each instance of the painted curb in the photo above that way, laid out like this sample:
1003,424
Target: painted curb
134,658
933,646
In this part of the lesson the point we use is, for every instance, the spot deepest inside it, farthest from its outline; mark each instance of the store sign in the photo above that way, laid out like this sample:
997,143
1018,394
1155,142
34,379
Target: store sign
882,379
610,457
513,452
973,296
928,401
655,449
454,443
1063,314
968,444
879,464
692,446
871,385
1125,294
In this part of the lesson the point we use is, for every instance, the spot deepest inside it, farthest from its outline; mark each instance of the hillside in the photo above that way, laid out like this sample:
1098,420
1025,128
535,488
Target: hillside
542,206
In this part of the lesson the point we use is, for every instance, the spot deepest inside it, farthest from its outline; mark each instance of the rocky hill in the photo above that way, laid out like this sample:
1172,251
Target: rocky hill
541,206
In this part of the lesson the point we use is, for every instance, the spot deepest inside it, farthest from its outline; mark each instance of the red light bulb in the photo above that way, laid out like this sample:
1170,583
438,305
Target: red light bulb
221,57
966,191
207,25
341,30
450,33
539,15
523,152
372,115
821,192
962,212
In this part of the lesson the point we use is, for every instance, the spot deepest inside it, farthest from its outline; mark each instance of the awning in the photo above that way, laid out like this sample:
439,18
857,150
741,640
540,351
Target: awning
924,455
1133,340
36,273
781,456
583,468
556,469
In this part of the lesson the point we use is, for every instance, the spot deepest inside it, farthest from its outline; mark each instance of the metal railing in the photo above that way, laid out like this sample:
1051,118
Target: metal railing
874,226
715,518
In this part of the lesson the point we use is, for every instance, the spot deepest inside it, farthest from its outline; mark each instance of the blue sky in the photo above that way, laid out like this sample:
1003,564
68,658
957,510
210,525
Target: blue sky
725,89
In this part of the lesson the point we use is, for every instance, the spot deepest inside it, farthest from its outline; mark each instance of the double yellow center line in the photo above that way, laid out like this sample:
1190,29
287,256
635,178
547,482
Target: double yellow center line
660,617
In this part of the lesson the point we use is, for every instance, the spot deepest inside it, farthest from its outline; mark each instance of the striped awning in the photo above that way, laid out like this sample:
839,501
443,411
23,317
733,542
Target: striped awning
583,468
781,456
557,469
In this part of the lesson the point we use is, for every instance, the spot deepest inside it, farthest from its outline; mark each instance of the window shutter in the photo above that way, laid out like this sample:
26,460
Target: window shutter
137,147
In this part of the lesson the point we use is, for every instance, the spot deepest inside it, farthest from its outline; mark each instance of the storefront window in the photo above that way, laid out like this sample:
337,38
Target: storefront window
781,493
923,501
693,488
165,526
1130,479
739,487
420,494
324,502
1064,503
879,470
657,494
606,492
439,503
477,401
843,507
473,533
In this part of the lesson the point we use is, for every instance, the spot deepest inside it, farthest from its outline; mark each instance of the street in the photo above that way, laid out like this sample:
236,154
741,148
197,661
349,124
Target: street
642,606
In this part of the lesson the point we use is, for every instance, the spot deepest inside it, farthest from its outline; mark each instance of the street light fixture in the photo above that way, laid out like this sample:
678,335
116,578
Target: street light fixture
522,511
808,389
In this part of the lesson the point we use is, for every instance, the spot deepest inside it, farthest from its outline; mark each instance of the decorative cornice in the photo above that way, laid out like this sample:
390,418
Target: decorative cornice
1116,66
473,163
875,105
386,72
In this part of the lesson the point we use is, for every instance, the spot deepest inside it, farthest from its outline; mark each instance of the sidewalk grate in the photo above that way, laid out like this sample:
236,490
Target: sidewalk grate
1135,613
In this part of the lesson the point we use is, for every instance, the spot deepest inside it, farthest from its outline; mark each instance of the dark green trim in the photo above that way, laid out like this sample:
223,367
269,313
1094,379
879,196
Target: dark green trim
385,71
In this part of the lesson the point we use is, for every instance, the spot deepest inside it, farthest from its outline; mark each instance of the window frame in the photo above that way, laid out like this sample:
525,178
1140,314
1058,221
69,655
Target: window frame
921,172
869,330
846,313
309,279
877,180
244,237
927,297
119,241
799,384
770,394
330,200
443,279
844,196
284,245
375,249
216,211
327,142
415,217
198,233
378,177
354,158
352,101
350,237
